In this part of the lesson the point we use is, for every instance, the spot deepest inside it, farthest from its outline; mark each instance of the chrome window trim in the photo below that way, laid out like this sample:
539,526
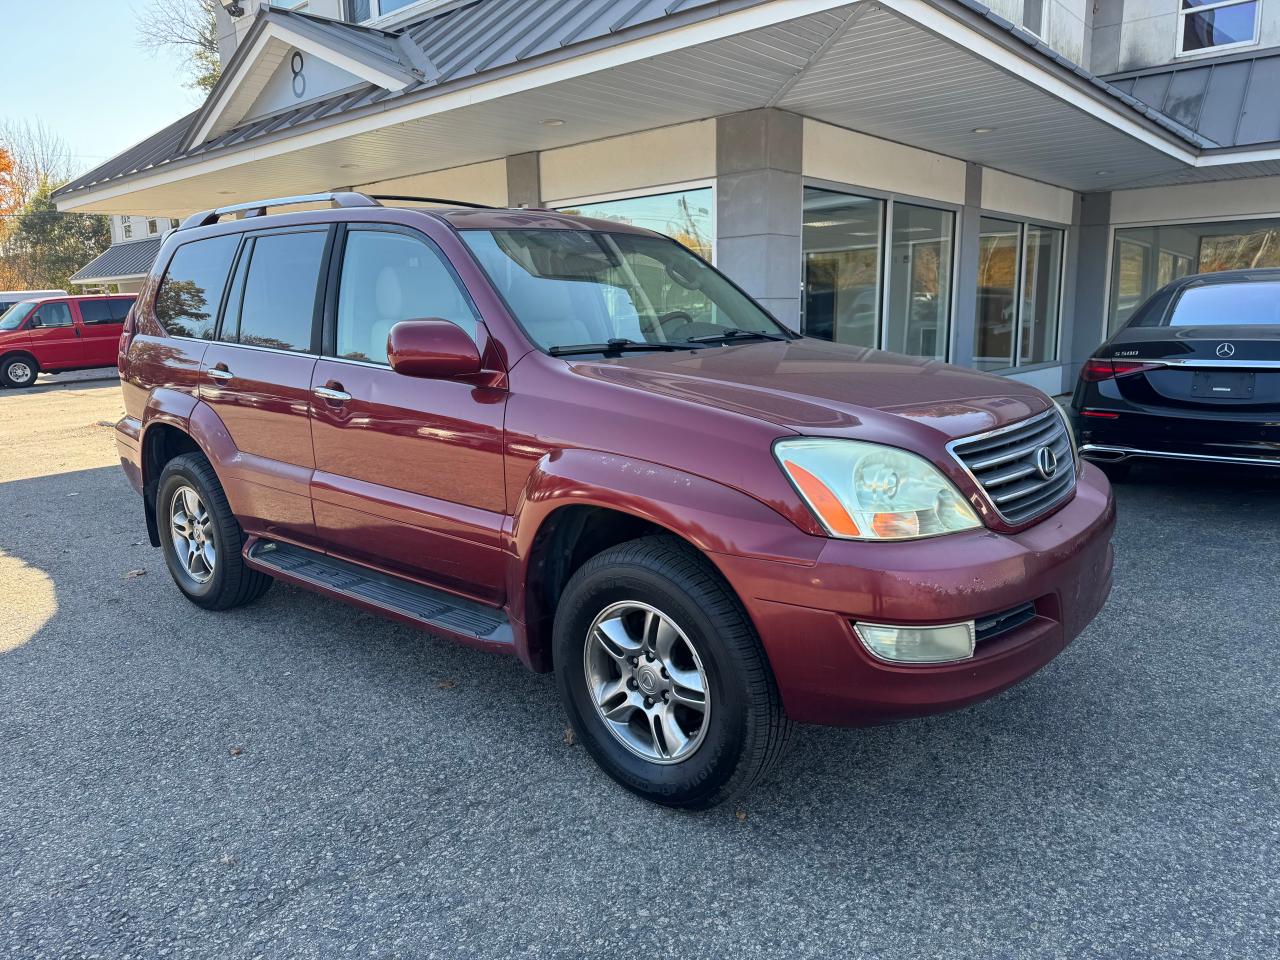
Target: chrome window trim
246,346
1053,411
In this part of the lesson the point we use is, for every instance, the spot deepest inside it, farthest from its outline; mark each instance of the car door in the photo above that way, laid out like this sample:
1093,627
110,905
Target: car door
55,337
409,473
101,323
256,376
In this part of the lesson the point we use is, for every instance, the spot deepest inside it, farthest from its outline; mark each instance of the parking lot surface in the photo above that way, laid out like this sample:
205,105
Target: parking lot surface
300,779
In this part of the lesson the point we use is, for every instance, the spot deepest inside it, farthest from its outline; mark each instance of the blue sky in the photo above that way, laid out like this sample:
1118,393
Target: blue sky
76,66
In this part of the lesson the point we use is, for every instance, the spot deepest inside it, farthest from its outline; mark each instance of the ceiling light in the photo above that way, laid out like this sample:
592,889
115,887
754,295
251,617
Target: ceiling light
1103,173
552,122
348,166
984,129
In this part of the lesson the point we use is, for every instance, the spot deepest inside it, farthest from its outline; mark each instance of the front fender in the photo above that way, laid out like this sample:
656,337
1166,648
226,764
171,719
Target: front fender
716,519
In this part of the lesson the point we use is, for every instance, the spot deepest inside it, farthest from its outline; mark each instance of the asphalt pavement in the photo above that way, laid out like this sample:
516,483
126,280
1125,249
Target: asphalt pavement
300,779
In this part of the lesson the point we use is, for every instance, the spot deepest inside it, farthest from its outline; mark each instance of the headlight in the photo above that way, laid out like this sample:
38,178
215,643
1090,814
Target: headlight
866,491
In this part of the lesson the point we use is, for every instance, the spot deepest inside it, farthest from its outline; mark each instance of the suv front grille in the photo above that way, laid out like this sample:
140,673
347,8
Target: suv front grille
1006,464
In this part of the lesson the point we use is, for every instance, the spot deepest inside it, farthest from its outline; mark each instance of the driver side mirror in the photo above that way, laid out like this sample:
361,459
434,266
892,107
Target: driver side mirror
432,349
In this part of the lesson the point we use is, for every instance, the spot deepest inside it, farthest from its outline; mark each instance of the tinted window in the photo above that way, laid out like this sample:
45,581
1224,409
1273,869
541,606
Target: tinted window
1228,303
98,311
279,302
386,278
187,302
120,309
54,315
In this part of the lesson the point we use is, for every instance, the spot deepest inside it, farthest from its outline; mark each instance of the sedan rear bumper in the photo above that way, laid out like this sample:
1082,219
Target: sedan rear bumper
1104,453
805,613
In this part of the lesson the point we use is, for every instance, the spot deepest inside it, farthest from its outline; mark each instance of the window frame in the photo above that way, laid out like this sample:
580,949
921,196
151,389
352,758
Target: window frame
126,228
1022,19
1184,11
1023,224
888,199
328,340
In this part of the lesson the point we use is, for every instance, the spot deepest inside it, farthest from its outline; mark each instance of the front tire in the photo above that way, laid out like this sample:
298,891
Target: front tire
18,371
202,539
663,677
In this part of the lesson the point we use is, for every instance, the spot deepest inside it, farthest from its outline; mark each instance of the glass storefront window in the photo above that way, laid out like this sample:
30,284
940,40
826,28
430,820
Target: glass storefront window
1041,294
843,237
685,216
1146,258
845,299
993,347
1015,330
919,281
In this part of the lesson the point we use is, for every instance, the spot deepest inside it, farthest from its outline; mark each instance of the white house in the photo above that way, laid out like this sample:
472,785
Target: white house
124,265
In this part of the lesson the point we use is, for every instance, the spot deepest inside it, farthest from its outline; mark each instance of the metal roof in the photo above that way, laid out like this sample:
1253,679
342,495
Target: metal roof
488,37
1231,101
131,259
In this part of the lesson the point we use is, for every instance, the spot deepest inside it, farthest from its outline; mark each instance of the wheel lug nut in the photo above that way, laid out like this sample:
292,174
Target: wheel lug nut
649,657
631,684
665,675
648,701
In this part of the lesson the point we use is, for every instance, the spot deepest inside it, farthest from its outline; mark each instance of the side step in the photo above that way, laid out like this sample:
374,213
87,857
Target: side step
379,591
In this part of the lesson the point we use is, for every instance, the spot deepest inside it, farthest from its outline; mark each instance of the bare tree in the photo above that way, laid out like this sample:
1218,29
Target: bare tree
39,156
188,26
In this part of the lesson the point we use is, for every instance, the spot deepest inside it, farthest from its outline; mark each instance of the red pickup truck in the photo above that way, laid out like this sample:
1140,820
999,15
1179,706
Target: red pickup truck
60,333
575,442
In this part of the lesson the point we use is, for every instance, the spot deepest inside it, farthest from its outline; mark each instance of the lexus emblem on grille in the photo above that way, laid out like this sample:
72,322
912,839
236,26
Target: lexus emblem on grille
1046,463
1226,350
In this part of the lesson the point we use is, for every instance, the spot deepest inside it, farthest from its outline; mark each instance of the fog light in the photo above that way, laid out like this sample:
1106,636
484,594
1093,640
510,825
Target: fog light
940,644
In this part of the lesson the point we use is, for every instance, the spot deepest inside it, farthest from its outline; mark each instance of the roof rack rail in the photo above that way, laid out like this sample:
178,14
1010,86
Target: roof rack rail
440,200
258,208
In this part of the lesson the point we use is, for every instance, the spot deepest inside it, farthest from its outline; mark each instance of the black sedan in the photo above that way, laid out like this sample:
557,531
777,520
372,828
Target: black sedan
1194,375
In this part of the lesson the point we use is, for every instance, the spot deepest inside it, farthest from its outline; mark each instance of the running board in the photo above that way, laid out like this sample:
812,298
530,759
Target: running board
381,592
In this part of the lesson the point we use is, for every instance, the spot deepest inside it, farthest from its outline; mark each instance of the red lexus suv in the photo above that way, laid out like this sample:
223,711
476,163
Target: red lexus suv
576,442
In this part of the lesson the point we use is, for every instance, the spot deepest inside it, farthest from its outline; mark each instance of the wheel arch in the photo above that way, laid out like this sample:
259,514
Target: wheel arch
579,503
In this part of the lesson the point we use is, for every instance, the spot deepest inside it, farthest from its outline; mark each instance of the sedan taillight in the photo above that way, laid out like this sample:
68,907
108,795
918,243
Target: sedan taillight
1096,369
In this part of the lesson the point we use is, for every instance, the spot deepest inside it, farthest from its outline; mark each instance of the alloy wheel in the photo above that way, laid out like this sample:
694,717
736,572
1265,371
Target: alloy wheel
191,530
647,682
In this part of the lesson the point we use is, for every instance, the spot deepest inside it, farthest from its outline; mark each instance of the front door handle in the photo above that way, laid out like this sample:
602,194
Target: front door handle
332,395
220,372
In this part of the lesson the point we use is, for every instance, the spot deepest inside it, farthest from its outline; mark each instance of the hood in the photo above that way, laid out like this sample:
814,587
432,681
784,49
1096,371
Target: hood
821,388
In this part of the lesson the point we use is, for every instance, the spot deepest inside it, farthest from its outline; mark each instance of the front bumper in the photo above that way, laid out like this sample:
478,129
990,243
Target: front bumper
805,613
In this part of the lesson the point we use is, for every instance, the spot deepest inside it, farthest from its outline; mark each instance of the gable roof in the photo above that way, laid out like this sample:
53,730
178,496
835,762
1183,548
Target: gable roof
1230,101
484,39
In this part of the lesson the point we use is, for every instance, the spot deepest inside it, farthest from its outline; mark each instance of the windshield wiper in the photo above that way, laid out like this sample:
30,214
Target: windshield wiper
733,333
617,345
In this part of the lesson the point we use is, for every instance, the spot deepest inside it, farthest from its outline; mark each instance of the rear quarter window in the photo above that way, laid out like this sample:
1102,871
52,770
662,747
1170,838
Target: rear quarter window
97,311
189,295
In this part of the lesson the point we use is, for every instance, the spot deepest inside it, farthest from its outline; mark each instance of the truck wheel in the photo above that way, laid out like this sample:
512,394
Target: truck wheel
201,537
18,371
663,676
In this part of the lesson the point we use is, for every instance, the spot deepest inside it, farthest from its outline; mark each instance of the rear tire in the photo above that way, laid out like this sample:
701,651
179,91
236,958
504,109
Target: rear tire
660,599
201,537
18,371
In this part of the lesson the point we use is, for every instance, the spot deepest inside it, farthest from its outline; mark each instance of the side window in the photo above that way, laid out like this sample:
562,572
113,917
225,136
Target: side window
278,304
54,315
97,311
188,298
388,277
120,309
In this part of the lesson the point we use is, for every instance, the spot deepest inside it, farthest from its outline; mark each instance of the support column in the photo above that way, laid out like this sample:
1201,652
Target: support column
1085,308
759,206
524,180
964,323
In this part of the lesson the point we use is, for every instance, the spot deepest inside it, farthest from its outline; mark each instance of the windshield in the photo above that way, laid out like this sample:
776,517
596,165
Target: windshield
572,287
12,318
1255,303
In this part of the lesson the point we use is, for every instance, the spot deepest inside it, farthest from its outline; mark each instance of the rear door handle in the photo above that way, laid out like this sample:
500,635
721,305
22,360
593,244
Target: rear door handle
220,372
333,396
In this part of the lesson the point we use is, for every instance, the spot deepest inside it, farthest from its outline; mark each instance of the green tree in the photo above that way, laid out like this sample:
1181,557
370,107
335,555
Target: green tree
50,245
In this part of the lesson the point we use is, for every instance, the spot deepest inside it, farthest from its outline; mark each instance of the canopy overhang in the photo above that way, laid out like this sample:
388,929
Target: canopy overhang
926,73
